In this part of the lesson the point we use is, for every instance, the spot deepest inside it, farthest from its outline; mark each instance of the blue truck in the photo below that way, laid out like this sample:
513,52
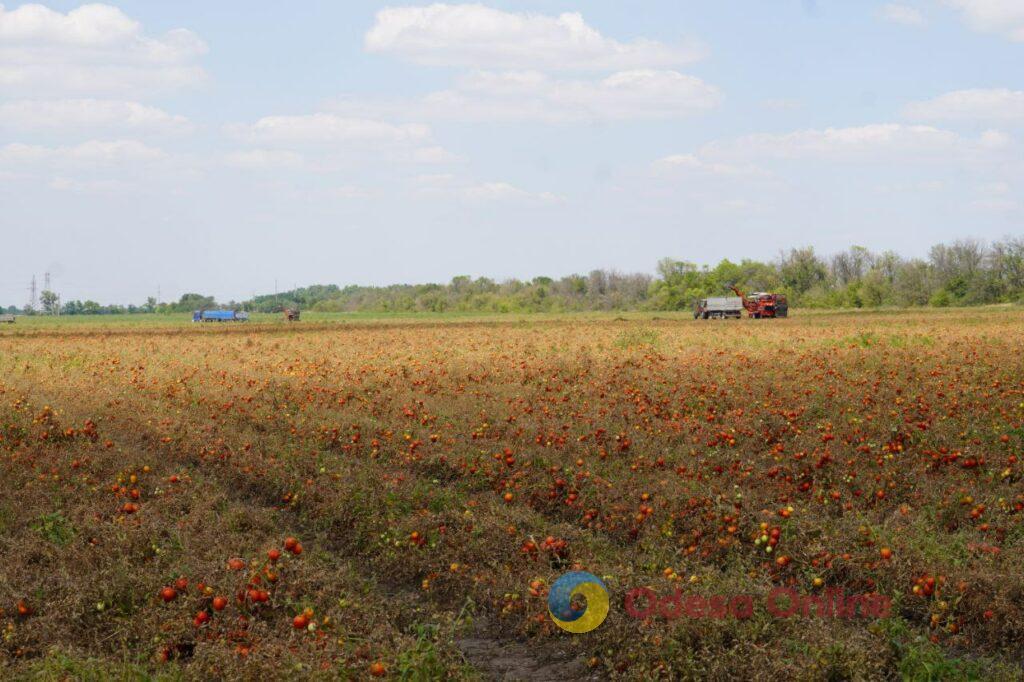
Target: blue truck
220,316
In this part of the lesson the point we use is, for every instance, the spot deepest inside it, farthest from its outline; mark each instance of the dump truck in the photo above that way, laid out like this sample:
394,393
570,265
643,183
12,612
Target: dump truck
6,318
220,316
718,307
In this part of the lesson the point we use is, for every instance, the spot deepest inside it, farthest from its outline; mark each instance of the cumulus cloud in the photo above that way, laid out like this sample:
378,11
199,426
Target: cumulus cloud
724,188
762,167
263,159
92,49
915,187
888,140
64,184
323,128
348,192
447,186
901,14
434,154
87,155
691,163
535,96
998,104
477,36
88,114
512,56
1005,17
996,196
328,143
94,166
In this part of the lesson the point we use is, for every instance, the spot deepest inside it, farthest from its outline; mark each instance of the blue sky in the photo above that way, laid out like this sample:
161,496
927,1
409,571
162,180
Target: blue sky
218,147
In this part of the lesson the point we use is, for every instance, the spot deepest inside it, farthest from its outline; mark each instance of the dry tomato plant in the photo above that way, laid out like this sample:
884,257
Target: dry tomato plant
352,500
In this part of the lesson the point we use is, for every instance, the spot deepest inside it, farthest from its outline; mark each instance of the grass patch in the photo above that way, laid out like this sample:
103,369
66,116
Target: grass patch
637,338
55,528
59,665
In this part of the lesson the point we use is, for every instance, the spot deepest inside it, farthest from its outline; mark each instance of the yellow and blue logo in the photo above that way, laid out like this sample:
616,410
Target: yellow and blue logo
578,583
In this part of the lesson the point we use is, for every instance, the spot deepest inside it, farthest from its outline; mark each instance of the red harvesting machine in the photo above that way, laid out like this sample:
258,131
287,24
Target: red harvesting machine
761,304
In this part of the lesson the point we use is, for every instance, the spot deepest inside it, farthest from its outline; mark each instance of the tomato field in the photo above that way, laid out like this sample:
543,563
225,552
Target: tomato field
392,499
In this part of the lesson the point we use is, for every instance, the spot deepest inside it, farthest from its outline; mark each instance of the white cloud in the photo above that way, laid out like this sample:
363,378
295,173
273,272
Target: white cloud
88,114
753,171
713,187
1005,17
535,96
884,140
264,159
321,128
447,186
95,166
998,188
326,143
994,139
92,49
691,163
901,14
348,192
476,36
433,154
512,56
307,193
917,187
65,184
87,155
997,104
997,197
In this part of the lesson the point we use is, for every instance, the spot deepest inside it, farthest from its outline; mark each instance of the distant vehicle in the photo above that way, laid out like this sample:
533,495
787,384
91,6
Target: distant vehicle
762,304
718,307
291,314
220,316
8,318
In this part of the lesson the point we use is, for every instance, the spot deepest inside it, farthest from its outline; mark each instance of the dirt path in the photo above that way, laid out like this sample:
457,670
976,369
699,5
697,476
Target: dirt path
508,660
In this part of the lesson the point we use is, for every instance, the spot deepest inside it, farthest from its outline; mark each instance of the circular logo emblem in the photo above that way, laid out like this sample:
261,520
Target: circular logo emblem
560,606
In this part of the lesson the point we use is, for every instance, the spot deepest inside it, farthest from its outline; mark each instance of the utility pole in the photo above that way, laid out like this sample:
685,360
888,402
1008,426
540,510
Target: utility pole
32,294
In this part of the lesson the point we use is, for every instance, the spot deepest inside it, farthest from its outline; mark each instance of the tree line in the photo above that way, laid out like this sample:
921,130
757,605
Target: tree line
965,272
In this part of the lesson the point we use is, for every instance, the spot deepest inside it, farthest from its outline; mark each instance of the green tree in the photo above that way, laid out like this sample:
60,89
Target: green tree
50,302
801,269
190,302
